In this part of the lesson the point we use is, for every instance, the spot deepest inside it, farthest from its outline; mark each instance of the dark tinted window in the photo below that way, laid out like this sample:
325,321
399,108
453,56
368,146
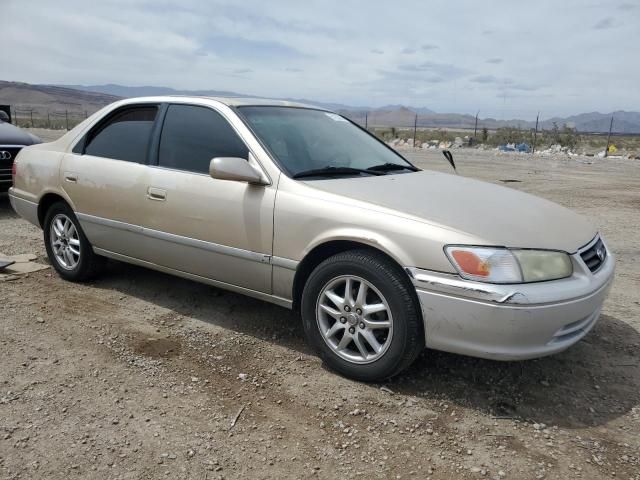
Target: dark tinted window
125,136
192,136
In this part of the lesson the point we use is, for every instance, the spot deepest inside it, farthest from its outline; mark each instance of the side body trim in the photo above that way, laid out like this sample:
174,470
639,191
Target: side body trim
178,239
284,263
283,302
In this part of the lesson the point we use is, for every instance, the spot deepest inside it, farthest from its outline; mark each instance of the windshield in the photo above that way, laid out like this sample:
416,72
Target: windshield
304,139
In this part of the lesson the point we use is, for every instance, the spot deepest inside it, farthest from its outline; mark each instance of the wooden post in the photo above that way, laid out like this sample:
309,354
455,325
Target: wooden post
31,114
606,150
366,120
415,127
475,129
48,121
535,135
66,119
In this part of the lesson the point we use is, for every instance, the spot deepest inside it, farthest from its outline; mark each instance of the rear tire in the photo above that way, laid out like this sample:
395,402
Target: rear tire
370,334
68,249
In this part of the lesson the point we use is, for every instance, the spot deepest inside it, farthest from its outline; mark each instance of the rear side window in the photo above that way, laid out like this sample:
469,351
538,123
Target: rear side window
192,136
125,136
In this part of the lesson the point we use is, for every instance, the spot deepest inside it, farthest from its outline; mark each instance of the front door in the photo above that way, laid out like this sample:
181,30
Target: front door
217,229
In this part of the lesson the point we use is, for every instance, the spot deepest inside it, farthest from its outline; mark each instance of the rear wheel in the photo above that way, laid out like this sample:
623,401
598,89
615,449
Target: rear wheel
69,251
360,312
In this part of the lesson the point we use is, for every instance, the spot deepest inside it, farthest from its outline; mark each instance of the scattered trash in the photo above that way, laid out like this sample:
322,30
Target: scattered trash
15,265
235,419
387,390
511,147
6,263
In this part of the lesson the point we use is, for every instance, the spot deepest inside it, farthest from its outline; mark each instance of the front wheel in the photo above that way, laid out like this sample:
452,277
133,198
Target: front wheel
360,312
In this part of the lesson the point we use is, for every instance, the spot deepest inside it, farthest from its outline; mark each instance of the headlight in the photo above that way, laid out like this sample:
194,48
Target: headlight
503,265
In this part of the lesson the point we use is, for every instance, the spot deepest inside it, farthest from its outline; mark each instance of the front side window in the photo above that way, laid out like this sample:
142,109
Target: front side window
192,136
306,140
124,136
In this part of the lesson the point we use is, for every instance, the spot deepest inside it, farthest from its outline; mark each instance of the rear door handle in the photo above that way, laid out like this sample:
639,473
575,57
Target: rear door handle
156,194
70,177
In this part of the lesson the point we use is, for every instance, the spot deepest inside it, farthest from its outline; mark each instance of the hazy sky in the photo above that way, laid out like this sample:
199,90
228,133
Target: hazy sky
506,58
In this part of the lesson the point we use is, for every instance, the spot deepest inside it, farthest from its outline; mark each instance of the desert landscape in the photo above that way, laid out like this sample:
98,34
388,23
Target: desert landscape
143,375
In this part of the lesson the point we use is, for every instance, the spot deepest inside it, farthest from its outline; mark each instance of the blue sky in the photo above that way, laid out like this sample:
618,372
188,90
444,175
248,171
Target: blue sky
504,58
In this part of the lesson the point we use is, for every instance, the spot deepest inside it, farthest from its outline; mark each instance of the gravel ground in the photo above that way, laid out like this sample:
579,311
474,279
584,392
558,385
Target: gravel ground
142,375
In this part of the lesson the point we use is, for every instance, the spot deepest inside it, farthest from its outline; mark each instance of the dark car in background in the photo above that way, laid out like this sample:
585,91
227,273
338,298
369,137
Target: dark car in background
12,139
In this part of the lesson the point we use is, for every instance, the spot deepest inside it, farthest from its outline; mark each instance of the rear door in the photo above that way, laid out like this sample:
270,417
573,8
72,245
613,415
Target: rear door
106,178
213,228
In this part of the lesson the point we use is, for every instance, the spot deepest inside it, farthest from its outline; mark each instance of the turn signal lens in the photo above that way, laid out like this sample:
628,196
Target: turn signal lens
471,263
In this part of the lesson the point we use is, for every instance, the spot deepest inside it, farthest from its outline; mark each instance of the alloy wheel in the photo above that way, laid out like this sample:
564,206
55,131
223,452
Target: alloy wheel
354,319
65,242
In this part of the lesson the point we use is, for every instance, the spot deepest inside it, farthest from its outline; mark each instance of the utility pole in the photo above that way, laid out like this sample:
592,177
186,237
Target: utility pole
415,127
475,128
535,135
31,114
66,119
366,120
606,150
48,121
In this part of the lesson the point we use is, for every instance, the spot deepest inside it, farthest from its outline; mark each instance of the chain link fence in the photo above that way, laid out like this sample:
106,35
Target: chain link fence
25,117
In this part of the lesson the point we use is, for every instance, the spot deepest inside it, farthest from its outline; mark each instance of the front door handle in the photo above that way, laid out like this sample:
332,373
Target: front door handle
156,194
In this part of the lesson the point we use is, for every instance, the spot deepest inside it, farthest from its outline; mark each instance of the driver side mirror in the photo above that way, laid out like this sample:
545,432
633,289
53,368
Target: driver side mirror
236,169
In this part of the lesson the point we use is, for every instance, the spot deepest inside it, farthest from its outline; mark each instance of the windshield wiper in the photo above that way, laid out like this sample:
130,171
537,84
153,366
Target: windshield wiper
387,167
334,171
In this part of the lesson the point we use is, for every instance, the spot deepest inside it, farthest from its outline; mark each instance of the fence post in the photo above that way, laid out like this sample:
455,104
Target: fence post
535,135
475,128
66,119
415,127
606,150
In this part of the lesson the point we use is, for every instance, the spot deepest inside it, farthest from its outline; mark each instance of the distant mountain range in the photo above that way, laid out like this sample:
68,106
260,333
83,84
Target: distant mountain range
80,98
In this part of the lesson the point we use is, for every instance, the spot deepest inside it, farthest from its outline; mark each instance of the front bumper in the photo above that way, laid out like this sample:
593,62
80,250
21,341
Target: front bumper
511,322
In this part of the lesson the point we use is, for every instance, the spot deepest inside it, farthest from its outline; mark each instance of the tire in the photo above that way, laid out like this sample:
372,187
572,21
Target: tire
358,356
70,266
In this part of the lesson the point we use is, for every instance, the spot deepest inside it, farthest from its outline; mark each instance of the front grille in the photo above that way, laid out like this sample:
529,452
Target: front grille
594,255
7,163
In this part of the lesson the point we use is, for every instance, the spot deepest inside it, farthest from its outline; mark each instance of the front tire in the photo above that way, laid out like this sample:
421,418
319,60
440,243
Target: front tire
361,314
68,249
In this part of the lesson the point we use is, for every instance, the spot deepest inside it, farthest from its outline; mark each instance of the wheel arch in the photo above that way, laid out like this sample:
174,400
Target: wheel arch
45,202
324,250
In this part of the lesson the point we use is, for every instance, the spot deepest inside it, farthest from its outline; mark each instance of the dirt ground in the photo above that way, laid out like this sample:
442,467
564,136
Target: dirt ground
142,375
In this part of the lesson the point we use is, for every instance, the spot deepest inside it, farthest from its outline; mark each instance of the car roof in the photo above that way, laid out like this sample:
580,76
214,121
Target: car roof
229,101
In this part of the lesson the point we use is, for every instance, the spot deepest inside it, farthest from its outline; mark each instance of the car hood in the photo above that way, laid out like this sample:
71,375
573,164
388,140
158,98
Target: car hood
494,214
12,135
